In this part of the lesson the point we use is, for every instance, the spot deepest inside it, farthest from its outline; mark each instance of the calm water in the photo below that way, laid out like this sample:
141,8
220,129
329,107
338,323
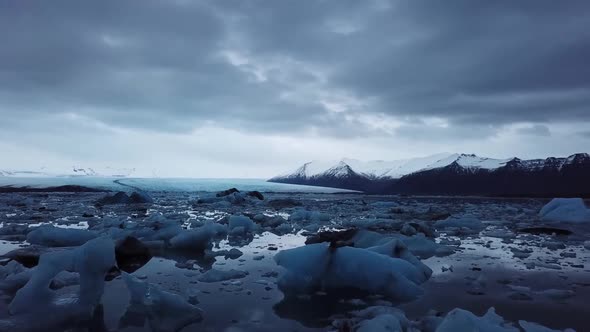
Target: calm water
484,266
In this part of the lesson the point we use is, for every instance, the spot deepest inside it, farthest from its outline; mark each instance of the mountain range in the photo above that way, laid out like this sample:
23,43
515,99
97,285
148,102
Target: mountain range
451,174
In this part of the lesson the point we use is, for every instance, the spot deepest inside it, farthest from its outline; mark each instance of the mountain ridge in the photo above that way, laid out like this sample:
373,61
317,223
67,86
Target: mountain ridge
457,174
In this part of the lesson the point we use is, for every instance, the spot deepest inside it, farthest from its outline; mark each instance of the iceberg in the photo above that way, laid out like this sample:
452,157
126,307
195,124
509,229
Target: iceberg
571,210
92,261
198,239
317,266
463,320
37,306
166,312
243,223
51,236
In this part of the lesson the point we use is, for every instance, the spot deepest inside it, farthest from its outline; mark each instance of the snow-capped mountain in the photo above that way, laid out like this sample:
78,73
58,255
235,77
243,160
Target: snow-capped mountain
374,169
463,174
380,169
74,171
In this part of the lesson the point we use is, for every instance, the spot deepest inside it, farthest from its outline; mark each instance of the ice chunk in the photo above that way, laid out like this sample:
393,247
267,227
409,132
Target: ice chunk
283,229
166,312
408,230
247,225
199,238
14,276
419,245
301,214
565,210
51,236
166,233
376,318
424,248
462,225
396,248
65,279
215,275
534,327
311,267
10,268
92,261
462,320
381,323
382,318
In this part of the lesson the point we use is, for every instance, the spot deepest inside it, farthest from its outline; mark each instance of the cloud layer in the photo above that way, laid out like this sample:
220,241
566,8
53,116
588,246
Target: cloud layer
289,81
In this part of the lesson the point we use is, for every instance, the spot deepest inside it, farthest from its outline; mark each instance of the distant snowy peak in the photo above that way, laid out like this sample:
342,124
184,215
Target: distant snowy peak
104,172
380,169
550,163
469,161
341,170
73,172
375,169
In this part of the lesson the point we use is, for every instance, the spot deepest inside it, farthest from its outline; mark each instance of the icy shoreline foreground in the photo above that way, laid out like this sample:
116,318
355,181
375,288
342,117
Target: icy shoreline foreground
250,261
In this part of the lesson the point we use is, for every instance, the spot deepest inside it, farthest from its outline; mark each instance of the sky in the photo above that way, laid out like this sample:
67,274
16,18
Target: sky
220,88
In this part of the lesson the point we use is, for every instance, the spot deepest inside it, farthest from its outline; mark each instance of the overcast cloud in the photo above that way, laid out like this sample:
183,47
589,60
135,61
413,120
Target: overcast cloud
252,88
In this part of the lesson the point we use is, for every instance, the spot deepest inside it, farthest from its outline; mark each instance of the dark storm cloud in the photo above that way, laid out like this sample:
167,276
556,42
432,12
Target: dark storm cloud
536,130
269,65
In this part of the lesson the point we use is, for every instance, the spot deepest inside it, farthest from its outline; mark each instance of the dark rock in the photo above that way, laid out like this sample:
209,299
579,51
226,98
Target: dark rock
118,198
283,203
29,256
227,192
334,237
545,230
423,228
64,189
131,254
13,229
397,210
434,216
140,197
87,215
113,273
123,198
256,194
13,237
